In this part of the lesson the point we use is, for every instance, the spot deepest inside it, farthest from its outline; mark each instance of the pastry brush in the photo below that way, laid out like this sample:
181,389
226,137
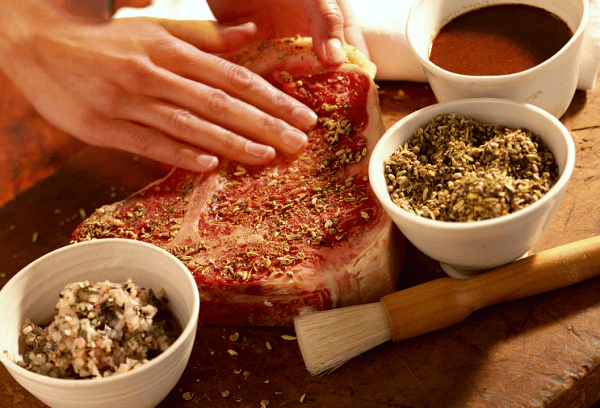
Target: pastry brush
329,338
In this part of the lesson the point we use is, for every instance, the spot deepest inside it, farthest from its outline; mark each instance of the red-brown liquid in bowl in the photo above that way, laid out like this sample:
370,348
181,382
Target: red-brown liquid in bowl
499,40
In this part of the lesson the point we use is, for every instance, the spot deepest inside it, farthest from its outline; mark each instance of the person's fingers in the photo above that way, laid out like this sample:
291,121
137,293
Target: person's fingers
192,105
352,32
193,130
245,100
246,86
154,77
153,144
242,106
240,83
327,29
209,36
117,4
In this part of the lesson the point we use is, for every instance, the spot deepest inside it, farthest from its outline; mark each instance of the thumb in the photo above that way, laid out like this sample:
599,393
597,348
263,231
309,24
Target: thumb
326,22
210,36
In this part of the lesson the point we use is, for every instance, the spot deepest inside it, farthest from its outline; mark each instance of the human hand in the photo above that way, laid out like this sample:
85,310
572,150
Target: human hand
330,23
151,87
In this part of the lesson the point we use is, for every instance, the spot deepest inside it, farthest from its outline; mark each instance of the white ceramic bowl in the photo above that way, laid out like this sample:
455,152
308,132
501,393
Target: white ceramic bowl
550,85
33,293
468,248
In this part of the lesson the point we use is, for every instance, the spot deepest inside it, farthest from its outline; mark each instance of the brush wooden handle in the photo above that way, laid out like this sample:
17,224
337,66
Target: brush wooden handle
444,302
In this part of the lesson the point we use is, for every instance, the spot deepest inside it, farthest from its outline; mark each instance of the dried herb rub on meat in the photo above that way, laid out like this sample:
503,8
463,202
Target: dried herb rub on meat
303,232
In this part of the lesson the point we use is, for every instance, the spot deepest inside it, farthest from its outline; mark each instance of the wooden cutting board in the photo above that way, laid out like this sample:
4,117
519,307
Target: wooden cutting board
538,352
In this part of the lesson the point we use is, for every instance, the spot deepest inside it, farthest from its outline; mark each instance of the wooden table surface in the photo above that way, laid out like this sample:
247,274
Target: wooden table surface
538,352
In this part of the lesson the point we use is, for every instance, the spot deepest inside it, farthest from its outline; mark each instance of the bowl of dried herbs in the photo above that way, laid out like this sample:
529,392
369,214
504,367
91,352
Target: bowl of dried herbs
473,183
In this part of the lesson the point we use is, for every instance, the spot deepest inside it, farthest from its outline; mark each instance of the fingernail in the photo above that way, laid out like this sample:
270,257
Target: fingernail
259,150
295,140
335,50
305,117
208,162
249,28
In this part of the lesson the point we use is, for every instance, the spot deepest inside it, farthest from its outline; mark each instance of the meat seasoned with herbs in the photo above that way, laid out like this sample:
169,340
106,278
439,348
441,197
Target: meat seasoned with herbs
302,232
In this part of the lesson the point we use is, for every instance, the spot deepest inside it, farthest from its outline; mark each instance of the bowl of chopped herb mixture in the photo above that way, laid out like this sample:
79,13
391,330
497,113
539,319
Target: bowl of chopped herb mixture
104,323
473,183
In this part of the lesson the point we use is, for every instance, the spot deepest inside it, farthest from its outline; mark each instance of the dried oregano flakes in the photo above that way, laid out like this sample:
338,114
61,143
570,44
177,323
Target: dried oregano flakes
458,169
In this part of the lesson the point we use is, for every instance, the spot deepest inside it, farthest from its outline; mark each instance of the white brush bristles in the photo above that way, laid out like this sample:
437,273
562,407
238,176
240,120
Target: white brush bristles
328,339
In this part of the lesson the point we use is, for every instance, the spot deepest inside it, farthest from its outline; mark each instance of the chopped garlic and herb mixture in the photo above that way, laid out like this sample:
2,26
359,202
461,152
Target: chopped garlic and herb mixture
99,330
457,169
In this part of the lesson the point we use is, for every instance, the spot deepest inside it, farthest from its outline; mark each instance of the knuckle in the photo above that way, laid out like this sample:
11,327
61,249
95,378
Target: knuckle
283,100
115,133
272,125
102,96
92,128
333,18
241,78
218,101
142,140
111,102
245,82
229,143
137,75
182,121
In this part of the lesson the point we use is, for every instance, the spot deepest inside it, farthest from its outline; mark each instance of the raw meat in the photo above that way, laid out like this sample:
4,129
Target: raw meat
266,242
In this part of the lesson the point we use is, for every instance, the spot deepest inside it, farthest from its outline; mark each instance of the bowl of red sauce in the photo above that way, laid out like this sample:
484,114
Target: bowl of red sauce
524,50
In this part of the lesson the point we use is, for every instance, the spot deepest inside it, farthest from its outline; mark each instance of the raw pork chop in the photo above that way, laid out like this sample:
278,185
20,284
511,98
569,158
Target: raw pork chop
303,232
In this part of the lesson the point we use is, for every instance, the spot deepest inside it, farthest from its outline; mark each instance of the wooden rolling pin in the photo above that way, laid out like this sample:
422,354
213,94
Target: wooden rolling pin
329,339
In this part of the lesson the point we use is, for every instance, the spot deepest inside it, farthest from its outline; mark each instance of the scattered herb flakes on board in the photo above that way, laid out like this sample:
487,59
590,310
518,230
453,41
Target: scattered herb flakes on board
457,169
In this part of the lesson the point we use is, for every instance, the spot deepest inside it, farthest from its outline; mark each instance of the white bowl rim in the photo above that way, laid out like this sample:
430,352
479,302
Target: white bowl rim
491,78
451,226
82,382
